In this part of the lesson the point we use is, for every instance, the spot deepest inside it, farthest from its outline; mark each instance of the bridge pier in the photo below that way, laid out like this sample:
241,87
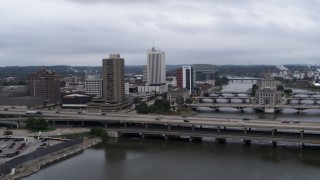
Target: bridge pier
273,132
274,143
218,128
190,139
169,127
220,140
245,131
246,142
146,126
68,123
82,123
18,124
105,125
53,122
125,125
165,137
301,133
193,128
301,145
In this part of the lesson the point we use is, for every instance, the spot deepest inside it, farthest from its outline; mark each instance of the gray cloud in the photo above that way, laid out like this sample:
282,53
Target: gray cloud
82,32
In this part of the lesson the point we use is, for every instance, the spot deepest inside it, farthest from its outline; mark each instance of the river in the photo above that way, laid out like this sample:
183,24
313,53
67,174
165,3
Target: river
134,159
129,158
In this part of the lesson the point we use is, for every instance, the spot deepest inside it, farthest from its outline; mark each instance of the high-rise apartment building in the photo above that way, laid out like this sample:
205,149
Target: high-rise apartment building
46,84
93,85
113,79
156,68
186,78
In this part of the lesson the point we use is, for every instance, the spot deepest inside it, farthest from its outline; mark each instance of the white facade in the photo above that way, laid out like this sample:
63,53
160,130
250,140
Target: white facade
93,85
126,88
172,81
148,89
156,67
188,78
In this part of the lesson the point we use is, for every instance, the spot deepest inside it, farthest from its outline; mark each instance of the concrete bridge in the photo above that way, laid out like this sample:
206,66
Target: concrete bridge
219,129
228,98
219,93
241,106
243,79
300,99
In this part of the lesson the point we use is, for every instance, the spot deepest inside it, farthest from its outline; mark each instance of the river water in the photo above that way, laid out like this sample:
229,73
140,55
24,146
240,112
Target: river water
133,159
129,158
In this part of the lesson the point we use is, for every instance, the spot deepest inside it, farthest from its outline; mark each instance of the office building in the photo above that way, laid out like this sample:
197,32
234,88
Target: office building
207,76
156,68
186,78
113,79
93,85
46,84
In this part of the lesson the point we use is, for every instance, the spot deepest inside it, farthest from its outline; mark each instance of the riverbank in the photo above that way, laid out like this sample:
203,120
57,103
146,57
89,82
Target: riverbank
34,166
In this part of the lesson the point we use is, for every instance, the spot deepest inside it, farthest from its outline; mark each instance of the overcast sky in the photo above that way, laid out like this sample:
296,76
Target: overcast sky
82,32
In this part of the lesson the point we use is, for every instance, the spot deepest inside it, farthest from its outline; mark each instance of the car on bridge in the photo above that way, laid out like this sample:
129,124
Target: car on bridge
286,122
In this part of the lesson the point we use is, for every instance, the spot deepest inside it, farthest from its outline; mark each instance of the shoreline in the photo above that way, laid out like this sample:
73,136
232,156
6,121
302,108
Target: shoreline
32,167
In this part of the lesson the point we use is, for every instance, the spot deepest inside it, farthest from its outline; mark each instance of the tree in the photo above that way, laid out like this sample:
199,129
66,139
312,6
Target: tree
142,108
280,88
254,89
288,91
189,101
180,100
37,124
136,100
7,133
161,105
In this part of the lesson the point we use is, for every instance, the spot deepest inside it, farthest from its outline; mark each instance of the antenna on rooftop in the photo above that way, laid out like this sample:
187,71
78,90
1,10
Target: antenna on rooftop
153,45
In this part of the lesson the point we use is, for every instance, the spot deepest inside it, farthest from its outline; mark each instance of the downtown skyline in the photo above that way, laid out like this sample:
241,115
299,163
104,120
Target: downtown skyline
82,32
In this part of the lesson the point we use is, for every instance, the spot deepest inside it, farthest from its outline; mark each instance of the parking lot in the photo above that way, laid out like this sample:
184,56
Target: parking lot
11,147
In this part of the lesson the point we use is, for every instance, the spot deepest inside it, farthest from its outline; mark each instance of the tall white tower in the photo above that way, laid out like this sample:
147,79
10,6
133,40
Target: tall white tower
156,68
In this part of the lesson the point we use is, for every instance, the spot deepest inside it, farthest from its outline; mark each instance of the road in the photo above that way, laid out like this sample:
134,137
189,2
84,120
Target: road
151,119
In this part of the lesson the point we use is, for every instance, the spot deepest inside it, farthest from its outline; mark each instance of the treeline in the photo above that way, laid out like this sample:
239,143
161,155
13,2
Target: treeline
160,106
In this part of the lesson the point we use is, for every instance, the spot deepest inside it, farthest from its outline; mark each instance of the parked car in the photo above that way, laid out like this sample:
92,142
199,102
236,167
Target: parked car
285,122
246,119
4,146
186,120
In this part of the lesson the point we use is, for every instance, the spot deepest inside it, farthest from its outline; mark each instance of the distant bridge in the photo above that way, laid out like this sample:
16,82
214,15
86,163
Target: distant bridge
244,79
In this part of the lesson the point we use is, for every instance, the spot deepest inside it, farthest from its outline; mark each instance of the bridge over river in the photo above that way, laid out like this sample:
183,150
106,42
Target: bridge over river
217,129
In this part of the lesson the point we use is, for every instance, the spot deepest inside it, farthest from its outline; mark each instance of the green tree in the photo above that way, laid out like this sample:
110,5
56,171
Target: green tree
280,88
98,132
288,91
142,108
189,101
37,124
161,105
136,100
7,133
254,89
180,100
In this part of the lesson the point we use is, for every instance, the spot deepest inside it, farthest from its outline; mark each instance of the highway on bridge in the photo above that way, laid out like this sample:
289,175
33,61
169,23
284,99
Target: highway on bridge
166,119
